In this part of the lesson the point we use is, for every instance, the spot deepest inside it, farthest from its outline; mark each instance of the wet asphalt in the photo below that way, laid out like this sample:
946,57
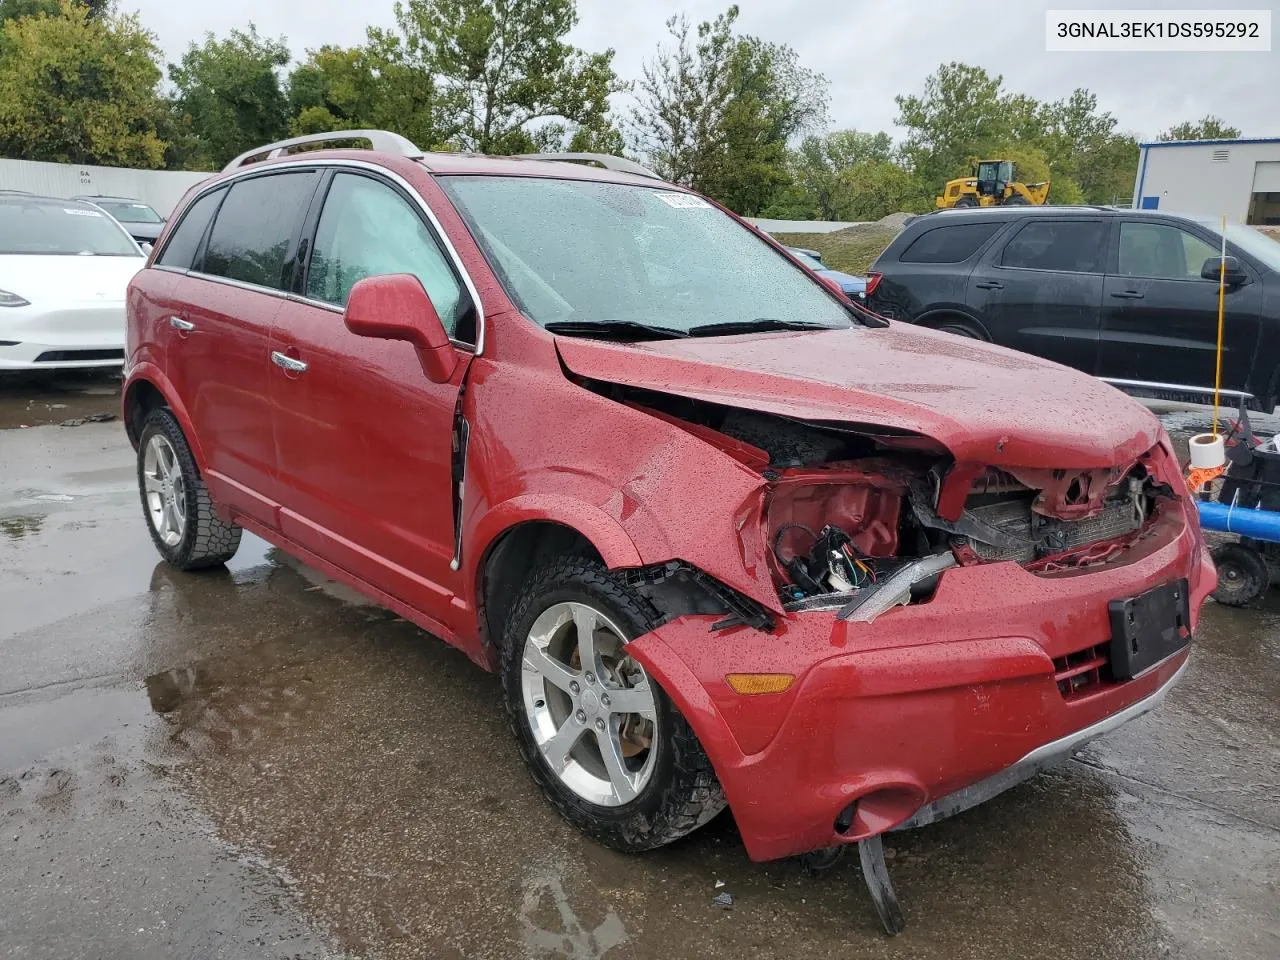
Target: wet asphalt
254,763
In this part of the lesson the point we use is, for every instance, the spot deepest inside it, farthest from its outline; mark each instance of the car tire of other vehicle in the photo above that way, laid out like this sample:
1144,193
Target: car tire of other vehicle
1242,575
180,515
602,740
961,330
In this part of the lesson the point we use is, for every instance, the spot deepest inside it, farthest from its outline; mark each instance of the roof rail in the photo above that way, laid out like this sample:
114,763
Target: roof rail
383,141
606,160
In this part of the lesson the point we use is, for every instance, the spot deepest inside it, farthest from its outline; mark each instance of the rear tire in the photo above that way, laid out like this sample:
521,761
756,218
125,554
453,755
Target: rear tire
658,784
176,505
1243,576
961,330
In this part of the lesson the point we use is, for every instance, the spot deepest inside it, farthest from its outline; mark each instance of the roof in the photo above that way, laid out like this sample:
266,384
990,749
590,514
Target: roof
1046,210
1201,143
17,196
91,197
447,164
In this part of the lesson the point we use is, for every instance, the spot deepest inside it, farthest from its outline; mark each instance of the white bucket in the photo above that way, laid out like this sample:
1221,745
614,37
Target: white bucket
1207,451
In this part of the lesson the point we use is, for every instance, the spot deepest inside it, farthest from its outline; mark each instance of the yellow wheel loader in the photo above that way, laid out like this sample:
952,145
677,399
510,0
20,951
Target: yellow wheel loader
991,185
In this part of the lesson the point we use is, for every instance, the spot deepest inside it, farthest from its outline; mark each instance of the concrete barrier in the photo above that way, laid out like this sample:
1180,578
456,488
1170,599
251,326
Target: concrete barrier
160,188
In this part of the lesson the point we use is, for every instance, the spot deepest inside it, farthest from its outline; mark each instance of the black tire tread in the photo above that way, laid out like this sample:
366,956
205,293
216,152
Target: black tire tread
1254,566
208,542
692,795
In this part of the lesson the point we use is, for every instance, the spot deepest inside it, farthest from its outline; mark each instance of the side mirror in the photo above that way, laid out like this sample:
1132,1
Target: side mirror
396,307
1235,273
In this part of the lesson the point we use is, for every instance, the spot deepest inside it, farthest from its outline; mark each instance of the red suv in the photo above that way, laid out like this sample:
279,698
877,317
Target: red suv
727,537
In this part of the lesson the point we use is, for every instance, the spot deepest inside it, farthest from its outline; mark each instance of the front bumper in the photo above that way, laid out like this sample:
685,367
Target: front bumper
75,335
889,723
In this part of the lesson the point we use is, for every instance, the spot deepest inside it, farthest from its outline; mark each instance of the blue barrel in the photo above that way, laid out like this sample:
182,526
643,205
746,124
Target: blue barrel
1245,521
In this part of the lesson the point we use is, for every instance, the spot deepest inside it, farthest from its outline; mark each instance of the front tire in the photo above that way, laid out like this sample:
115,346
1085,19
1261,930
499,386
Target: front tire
603,742
180,515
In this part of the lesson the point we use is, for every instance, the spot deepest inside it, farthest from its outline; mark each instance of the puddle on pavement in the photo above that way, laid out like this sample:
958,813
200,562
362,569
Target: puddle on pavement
36,399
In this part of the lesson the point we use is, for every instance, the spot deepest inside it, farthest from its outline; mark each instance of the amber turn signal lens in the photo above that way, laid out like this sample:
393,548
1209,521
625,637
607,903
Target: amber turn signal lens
748,684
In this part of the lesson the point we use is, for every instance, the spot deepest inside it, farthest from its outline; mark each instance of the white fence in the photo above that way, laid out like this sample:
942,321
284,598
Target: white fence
160,188
802,226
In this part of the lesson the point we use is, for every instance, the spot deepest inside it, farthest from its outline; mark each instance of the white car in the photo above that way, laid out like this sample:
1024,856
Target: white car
64,269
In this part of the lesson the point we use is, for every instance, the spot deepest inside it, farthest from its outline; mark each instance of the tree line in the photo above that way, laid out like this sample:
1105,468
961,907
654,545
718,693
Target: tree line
734,116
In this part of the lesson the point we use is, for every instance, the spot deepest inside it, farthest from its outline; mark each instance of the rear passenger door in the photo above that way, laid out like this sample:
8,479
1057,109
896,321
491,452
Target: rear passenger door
1041,290
239,281
931,272
1160,317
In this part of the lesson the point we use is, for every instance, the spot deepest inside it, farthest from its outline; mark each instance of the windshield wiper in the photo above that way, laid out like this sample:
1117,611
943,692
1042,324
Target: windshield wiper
754,326
632,329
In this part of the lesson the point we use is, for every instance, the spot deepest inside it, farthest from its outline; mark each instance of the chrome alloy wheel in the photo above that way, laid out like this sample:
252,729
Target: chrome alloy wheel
589,705
165,490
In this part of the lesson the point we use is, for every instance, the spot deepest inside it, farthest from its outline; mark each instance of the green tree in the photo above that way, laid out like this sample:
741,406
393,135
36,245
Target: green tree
502,69
229,92
677,124
772,99
369,86
77,88
14,9
963,113
1207,128
818,163
716,111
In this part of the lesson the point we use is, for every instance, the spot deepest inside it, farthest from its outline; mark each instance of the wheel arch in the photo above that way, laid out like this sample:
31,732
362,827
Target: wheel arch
146,390
514,538
952,316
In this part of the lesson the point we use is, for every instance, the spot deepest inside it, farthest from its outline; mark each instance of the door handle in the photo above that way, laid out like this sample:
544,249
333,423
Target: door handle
1128,295
179,324
288,363
989,285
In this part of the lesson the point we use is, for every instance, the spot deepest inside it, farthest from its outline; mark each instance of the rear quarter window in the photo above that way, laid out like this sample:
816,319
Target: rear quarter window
953,243
180,251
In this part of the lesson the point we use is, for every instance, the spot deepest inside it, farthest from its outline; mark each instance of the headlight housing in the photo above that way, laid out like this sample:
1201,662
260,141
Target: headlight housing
8,299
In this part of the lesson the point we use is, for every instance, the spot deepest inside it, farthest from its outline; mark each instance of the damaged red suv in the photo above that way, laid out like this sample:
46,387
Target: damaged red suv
728,538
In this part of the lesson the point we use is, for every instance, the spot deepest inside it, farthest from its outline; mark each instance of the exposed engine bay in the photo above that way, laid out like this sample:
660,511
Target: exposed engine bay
852,510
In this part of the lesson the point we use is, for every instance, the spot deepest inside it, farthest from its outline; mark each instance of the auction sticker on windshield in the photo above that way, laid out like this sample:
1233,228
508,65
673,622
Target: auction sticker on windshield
685,200
81,213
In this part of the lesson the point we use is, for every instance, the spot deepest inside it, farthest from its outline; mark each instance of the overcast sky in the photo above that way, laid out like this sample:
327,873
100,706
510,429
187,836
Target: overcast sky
870,50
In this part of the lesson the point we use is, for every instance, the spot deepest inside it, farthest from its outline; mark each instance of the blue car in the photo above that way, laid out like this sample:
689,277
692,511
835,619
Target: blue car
855,288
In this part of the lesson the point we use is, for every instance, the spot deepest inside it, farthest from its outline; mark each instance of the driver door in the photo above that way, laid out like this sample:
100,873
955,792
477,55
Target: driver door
362,437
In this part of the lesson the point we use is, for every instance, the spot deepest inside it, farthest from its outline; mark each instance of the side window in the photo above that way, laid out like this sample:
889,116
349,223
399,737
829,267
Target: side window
182,245
1161,251
951,244
1076,246
367,229
255,227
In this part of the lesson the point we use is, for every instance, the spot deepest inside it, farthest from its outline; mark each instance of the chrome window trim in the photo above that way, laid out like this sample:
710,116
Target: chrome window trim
257,170
1173,387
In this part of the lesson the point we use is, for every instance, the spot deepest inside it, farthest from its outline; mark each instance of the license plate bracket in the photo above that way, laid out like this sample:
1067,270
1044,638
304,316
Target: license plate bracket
1148,628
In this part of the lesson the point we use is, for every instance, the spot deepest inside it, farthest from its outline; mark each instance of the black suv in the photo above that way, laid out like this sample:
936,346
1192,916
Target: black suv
1130,296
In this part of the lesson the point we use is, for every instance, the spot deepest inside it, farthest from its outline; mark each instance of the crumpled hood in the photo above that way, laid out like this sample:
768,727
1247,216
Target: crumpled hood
52,280
985,403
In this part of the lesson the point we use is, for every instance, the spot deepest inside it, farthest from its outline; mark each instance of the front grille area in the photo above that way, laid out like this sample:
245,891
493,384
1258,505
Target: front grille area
1045,536
1084,672
68,356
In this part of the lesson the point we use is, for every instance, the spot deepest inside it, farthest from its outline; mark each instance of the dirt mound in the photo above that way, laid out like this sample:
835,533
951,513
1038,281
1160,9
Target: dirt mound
896,221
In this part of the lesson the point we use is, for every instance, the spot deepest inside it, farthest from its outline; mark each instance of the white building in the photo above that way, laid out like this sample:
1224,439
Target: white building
1236,178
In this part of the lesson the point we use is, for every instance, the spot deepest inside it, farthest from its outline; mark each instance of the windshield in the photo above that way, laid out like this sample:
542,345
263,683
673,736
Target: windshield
60,227
571,251
1257,244
129,211
1253,242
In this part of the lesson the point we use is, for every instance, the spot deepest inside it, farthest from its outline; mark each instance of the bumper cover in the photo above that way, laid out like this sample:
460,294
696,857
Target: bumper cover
896,719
